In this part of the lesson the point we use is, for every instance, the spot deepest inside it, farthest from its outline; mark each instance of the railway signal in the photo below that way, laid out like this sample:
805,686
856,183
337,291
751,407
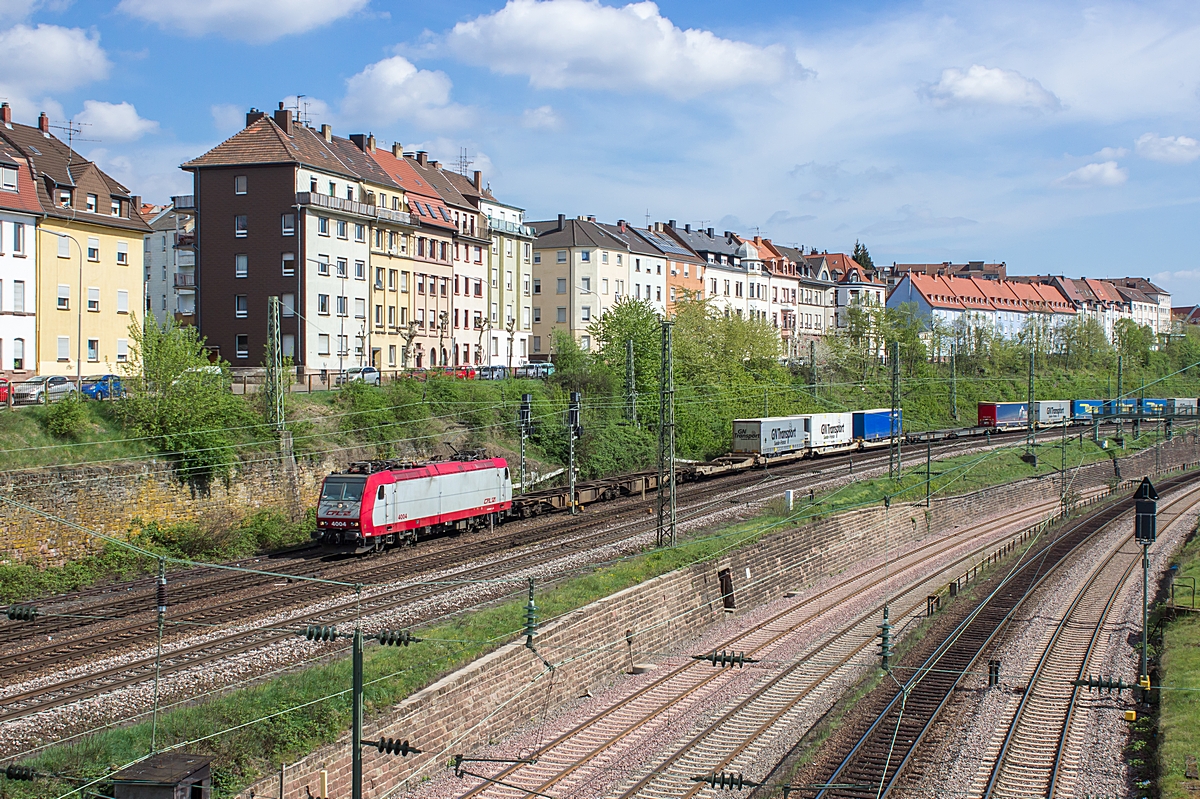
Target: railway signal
574,431
1145,531
524,427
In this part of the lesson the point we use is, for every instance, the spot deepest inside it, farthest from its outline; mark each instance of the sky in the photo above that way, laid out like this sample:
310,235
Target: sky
1058,137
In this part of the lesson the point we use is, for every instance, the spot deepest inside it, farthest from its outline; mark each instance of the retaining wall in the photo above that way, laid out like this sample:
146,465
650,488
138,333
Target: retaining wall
490,697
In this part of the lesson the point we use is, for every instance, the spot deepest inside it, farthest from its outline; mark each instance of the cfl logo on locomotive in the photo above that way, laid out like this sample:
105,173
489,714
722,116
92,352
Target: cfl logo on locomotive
832,429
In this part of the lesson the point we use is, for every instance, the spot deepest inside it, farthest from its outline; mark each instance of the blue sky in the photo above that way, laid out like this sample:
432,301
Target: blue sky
1055,137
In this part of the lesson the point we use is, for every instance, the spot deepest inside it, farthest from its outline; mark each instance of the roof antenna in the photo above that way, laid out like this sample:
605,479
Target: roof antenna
647,218
302,109
464,162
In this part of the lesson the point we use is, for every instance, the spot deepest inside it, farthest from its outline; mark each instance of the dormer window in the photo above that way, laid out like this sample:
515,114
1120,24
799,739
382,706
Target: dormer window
116,207
91,203
64,198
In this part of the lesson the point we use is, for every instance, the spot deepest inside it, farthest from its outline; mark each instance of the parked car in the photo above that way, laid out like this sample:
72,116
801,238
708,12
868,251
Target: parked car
102,387
492,372
364,374
461,372
538,371
4,389
37,389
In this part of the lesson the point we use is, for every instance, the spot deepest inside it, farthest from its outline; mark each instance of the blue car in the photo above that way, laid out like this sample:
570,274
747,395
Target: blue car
102,387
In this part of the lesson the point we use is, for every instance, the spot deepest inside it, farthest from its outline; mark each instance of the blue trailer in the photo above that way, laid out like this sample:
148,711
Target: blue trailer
876,426
1155,407
1084,410
1127,405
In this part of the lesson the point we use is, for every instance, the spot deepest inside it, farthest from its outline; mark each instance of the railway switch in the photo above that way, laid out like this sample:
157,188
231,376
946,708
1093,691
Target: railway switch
394,746
22,612
24,773
724,658
316,632
397,638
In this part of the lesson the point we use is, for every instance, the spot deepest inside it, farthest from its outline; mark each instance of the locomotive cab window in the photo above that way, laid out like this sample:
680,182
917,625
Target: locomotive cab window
380,494
343,489
506,473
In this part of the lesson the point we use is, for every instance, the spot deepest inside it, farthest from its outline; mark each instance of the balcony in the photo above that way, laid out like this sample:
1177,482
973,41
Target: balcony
184,202
352,208
504,226
185,258
186,282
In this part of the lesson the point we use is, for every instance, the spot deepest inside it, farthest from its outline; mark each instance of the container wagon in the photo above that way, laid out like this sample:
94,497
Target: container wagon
1127,405
875,428
1155,407
828,432
1084,410
372,505
1051,413
776,435
1003,415
1184,405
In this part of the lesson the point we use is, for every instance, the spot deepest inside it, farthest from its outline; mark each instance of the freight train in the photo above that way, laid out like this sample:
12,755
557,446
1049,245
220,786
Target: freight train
374,504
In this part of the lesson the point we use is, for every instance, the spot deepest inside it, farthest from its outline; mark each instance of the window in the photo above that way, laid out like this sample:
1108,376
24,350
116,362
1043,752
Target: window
525,317
123,253
64,297
495,313
116,207
525,285
537,257
537,343
122,301
288,223
64,348
537,315
478,288
93,248
561,287
603,285
64,247
18,354
391,279
322,226
585,283
288,263
360,308
323,344
585,256
64,198
342,229
508,280
378,316
391,355
241,265
561,315
420,284
8,178
93,349
93,301
242,345
122,349
537,286
289,345
360,232
322,264
241,306
360,270
350,193
239,184
18,238
562,256
91,203
240,228
332,188
603,257
287,305
391,316
341,305
585,343
18,299
323,304
658,293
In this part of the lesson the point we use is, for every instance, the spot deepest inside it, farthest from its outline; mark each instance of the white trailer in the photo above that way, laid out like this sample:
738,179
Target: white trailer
776,435
828,432
1051,413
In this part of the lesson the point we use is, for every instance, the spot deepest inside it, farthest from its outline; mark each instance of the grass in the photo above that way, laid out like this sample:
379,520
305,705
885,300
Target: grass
250,730
29,443
1179,671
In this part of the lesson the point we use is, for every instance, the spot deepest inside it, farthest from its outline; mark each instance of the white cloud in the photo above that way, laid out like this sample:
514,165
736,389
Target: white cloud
1106,173
13,10
114,122
227,118
1110,153
394,90
47,58
246,20
541,118
1170,149
581,43
981,85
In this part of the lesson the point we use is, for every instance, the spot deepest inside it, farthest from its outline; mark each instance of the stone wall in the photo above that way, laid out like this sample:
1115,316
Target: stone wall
492,696
108,498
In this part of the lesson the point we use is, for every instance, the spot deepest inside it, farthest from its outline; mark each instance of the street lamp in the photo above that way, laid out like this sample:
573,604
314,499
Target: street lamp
78,310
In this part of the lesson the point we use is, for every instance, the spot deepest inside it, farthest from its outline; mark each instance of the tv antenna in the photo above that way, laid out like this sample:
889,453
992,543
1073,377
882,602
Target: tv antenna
73,130
302,105
464,162
647,218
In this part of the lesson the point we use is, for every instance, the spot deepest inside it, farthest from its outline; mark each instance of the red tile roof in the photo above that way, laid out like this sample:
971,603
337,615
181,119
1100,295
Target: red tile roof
25,198
424,202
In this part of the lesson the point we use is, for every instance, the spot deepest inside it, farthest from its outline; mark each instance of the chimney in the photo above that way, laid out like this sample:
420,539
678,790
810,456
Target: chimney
283,118
435,164
327,133
562,221
397,150
477,179
6,115
591,218
728,234
44,124
422,157
371,142
621,225
672,223
687,228
710,233
359,141
253,115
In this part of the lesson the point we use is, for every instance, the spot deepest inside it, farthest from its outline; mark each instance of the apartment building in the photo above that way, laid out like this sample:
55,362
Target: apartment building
726,281
511,280
169,260
19,210
646,267
89,254
816,291
575,272
684,268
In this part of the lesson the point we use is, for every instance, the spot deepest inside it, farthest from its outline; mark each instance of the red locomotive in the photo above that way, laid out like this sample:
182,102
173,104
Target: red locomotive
374,504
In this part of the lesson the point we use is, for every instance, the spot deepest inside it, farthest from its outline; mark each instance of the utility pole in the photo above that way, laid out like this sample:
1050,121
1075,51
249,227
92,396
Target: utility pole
928,470
356,713
1030,415
1062,469
766,406
894,447
274,364
953,380
1117,405
574,431
630,385
666,442
812,367
524,424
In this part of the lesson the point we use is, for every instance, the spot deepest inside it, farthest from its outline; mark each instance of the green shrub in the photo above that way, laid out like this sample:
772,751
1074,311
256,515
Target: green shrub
67,418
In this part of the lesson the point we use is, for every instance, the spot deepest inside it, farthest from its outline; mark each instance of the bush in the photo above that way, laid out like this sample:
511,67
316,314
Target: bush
67,418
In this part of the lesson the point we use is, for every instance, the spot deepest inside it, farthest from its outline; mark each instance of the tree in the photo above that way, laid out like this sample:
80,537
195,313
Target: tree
862,256
630,320
1133,341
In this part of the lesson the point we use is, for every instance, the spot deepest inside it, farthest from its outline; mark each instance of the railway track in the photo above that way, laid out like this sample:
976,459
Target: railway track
702,499
585,754
873,765
1035,757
